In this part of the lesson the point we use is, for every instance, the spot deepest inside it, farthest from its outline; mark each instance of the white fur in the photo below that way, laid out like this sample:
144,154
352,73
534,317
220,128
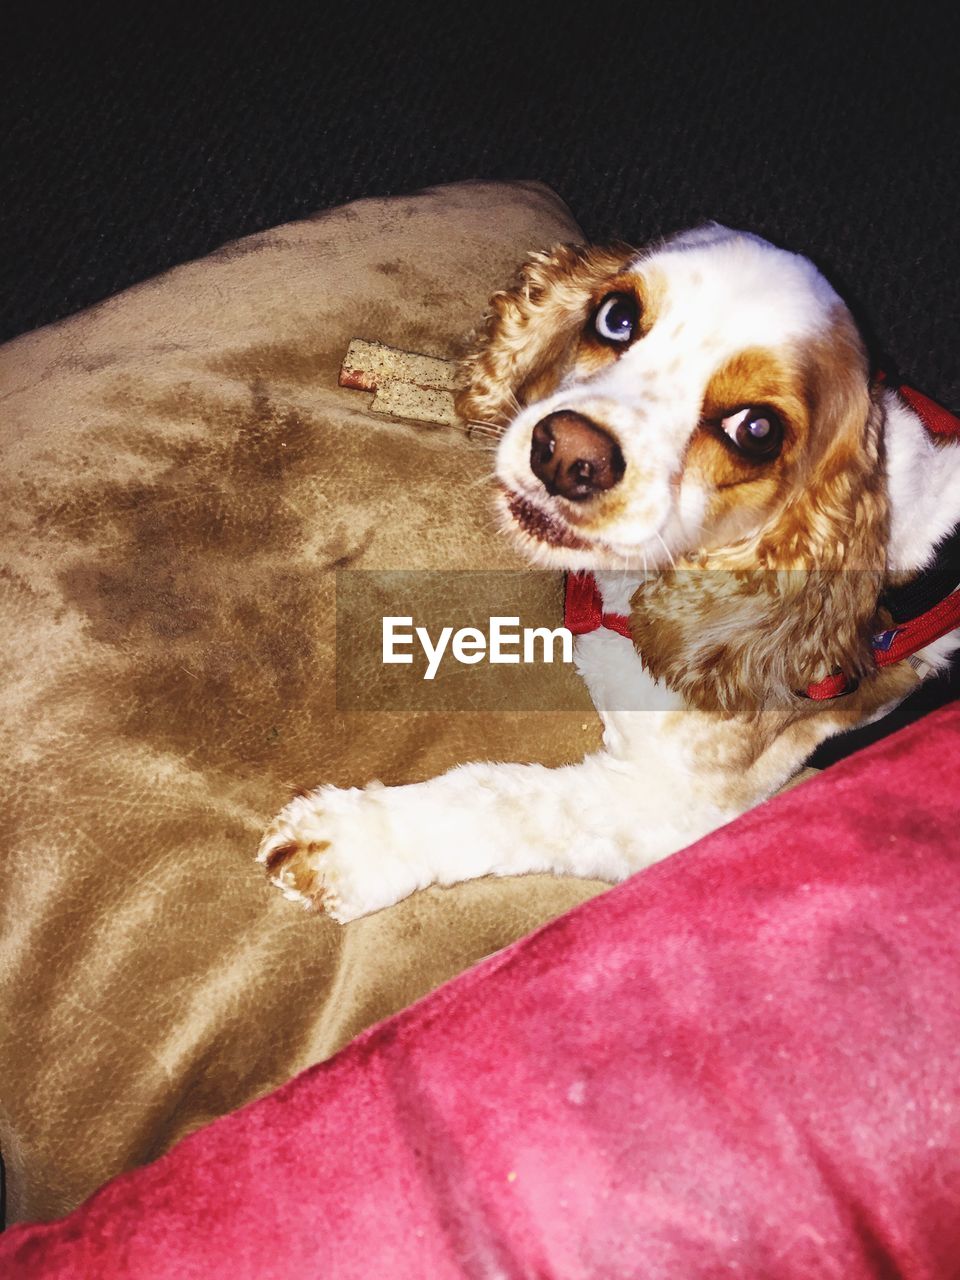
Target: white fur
648,792
924,485
923,482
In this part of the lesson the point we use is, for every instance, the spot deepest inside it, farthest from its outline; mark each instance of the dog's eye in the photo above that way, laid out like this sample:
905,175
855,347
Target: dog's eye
756,431
615,320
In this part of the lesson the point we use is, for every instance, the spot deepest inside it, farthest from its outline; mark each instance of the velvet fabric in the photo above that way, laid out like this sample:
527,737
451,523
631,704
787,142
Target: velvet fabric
740,1062
182,478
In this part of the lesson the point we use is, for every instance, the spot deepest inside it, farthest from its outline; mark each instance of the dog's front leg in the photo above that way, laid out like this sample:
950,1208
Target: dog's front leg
355,851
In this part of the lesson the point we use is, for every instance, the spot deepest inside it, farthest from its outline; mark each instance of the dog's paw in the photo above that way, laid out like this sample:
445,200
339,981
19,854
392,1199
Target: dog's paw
330,850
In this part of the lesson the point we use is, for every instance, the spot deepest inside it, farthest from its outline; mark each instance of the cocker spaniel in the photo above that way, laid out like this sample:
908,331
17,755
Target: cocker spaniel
694,434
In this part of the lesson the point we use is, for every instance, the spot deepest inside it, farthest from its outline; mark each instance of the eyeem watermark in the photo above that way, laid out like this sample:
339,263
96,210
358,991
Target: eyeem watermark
470,640
504,642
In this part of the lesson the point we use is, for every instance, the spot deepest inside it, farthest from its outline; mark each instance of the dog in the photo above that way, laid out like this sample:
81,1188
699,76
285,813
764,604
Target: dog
762,543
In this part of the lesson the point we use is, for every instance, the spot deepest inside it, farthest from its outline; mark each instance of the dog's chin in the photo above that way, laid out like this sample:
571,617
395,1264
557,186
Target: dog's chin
546,539
530,521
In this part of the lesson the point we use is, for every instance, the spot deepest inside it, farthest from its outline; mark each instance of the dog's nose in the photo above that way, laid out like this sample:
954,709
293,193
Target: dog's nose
574,457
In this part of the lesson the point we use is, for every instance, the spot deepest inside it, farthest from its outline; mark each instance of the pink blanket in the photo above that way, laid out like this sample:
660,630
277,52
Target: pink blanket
743,1062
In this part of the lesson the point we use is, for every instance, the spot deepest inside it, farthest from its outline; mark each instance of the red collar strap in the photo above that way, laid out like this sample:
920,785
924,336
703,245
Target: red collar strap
583,608
937,420
583,613
583,604
939,612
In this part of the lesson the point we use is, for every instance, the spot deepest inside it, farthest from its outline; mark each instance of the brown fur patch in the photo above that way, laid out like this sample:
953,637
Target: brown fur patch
753,622
741,489
533,329
297,871
538,331
647,288
278,856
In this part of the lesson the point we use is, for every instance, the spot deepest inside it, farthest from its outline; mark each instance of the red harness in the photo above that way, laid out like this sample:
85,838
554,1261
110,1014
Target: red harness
583,605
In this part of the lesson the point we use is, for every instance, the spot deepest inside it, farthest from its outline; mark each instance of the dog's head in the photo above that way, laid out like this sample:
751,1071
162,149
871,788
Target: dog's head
705,396
706,402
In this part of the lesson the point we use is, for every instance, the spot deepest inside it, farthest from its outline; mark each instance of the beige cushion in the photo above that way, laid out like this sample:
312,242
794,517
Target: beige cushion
182,476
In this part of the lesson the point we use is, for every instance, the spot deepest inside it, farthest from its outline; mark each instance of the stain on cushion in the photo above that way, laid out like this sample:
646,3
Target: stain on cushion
182,479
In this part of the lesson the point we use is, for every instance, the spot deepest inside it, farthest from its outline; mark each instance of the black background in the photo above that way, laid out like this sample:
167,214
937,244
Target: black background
137,137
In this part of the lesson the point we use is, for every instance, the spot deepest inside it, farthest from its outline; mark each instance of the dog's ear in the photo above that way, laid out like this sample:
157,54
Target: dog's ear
832,536
531,331
759,623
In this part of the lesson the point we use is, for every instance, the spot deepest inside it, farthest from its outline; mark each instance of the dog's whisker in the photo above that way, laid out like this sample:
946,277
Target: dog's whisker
486,478
669,553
